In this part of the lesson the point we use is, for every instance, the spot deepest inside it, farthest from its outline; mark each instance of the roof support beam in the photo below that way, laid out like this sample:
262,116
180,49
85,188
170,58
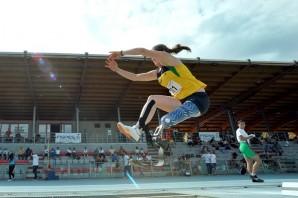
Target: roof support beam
228,79
285,111
287,118
198,121
253,109
247,94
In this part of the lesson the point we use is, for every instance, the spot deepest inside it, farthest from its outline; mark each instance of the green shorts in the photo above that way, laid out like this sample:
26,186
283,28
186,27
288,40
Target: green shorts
246,151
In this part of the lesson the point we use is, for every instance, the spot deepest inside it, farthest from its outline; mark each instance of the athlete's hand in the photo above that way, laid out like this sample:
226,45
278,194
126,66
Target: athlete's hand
112,65
252,135
114,55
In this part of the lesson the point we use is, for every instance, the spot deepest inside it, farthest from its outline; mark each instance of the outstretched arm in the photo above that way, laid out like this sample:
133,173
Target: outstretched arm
148,76
244,138
163,57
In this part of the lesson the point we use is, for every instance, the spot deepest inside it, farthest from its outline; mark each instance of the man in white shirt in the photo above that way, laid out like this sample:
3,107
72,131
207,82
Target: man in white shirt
253,161
137,151
58,152
127,164
112,150
207,159
101,151
85,153
35,163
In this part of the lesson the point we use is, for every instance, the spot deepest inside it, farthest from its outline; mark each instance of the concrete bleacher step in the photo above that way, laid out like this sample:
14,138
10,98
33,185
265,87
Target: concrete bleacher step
153,151
29,172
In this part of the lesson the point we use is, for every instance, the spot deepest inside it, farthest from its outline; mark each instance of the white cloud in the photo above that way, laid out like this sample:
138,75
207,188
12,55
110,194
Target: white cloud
213,29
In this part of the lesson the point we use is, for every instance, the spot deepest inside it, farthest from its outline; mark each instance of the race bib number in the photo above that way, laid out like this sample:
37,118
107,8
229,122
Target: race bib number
174,88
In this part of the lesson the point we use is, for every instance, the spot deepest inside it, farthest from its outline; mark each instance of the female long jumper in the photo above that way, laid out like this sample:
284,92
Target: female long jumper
188,97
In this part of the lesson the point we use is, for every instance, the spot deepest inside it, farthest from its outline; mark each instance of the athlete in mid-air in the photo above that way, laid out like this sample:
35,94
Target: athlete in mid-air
188,97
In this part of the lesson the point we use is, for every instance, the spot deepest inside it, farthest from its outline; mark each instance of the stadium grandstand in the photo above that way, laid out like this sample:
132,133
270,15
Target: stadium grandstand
72,103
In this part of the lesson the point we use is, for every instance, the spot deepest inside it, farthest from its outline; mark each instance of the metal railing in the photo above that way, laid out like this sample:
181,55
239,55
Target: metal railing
84,139
118,138
89,168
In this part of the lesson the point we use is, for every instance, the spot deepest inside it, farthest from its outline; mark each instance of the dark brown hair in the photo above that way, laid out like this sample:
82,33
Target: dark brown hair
240,121
176,49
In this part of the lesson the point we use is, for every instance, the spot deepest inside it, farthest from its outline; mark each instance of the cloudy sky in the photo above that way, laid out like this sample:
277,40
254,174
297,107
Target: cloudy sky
214,29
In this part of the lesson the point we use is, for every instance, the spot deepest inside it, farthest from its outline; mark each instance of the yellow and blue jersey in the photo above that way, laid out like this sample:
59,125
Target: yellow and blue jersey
179,81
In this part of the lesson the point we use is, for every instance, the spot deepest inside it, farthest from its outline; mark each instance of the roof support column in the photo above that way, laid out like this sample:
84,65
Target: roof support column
34,124
77,119
118,114
231,120
158,116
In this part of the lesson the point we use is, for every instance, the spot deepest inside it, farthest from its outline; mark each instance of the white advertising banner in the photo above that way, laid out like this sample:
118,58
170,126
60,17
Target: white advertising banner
68,138
207,136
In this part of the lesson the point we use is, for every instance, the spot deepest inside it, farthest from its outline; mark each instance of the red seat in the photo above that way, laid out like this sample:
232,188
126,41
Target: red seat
3,161
20,162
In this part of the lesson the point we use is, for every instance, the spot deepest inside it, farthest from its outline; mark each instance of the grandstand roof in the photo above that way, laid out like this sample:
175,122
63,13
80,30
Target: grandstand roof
255,91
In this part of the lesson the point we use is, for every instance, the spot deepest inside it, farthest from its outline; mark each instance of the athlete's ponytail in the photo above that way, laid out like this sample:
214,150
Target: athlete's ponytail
176,49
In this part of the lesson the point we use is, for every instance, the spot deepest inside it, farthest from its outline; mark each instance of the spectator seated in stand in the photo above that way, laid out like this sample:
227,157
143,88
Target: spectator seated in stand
137,151
85,152
8,137
21,153
196,140
139,157
28,153
18,137
114,157
121,151
74,154
101,151
111,150
190,141
58,152
68,152
37,138
45,152
99,159
255,140
5,154
276,148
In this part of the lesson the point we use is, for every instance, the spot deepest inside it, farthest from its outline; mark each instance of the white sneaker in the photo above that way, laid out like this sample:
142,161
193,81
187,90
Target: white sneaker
130,132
